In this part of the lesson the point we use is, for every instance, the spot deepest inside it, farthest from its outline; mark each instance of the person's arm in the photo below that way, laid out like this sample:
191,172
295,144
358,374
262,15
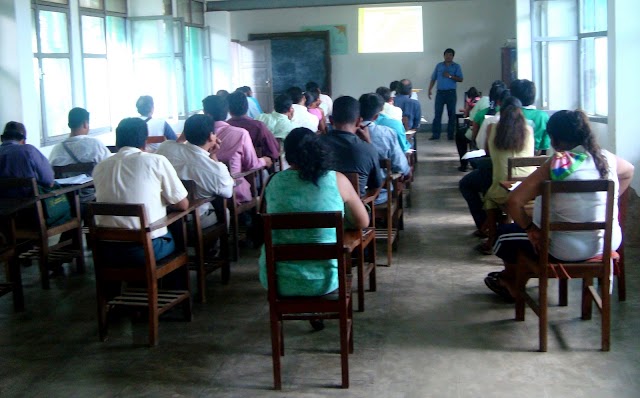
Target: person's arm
625,174
168,132
269,142
431,84
181,205
434,76
42,168
375,175
417,116
354,210
399,161
172,190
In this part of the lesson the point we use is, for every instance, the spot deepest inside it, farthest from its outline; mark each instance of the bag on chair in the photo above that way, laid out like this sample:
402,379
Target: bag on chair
56,208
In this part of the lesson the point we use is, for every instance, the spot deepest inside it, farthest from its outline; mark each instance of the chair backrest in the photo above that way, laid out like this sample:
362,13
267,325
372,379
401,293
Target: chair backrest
18,187
529,161
112,148
303,251
100,232
587,186
156,139
74,169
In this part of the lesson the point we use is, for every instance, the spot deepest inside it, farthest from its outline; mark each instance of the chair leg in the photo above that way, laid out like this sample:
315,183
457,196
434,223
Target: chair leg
586,298
622,283
521,286
152,297
373,284
43,263
77,237
606,314
360,267
102,310
563,292
344,348
542,324
276,351
14,276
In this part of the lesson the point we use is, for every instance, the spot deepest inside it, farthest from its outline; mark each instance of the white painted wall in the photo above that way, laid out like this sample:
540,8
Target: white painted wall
474,29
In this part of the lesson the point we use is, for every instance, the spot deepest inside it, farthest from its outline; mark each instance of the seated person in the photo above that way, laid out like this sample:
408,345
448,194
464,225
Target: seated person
79,148
309,186
389,109
577,157
525,91
157,127
236,148
196,160
279,121
393,123
312,102
263,140
471,97
133,176
512,137
411,111
301,117
352,150
254,108
326,103
383,139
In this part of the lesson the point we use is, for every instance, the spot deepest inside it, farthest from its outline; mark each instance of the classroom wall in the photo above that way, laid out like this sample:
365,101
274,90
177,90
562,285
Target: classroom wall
487,25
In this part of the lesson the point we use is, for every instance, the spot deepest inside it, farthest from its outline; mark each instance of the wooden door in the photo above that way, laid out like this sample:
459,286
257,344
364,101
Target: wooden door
254,60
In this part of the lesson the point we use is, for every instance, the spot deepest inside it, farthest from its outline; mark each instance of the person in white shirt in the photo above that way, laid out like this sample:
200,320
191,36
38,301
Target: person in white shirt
301,117
157,126
326,103
79,148
388,108
279,121
134,176
196,160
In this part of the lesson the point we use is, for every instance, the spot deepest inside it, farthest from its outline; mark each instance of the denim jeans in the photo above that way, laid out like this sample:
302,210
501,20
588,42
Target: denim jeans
473,186
448,98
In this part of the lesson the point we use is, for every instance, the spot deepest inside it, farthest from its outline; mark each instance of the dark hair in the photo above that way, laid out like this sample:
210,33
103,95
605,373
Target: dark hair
511,131
497,87
524,90
295,93
238,104
244,89
405,87
506,93
450,51
144,104
312,86
310,97
345,110
304,149
472,93
384,92
222,93
216,107
132,132
77,117
282,103
572,127
370,105
393,86
14,131
198,128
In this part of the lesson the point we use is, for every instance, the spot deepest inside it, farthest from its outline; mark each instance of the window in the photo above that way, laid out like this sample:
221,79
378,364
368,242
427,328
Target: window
560,48
52,68
390,30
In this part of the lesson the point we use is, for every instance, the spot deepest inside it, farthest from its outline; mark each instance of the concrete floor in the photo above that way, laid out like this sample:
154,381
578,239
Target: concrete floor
431,330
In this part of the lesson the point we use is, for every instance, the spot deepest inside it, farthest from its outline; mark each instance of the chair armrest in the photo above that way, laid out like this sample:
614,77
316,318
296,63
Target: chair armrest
243,174
64,190
167,220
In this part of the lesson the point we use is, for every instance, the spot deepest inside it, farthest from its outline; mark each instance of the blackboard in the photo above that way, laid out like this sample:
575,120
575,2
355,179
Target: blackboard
297,58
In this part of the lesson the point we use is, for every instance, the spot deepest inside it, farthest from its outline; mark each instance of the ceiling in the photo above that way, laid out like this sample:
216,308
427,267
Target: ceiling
237,5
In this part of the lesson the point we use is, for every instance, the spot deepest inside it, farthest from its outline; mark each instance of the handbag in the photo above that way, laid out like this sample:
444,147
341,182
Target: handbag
56,208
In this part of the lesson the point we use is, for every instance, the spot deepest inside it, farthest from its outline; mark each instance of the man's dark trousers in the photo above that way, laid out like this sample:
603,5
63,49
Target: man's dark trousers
445,97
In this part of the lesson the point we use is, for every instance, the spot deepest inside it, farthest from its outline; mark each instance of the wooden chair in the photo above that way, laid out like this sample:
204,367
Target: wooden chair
155,139
363,243
546,267
13,282
112,148
202,239
39,232
235,208
74,169
153,297
336,305
513,163
390,214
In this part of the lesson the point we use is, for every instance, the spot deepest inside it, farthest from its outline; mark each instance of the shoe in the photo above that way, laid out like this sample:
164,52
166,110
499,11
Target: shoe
434,138
494,274
462,169
317,324
497,288
483,248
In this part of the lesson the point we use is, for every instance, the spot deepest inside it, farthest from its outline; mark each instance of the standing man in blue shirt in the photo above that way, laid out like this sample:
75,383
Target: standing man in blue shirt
447,74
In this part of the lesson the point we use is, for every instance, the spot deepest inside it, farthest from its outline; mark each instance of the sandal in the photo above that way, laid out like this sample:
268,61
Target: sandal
497,288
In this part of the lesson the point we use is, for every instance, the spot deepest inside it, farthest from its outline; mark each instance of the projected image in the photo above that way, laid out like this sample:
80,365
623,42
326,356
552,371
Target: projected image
390,30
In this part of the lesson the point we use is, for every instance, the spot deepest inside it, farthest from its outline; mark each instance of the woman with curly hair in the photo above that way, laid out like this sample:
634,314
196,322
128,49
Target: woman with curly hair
578,157
309,186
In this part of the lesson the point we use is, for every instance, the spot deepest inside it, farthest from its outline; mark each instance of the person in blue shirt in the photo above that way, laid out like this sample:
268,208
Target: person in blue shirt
447,74
411,111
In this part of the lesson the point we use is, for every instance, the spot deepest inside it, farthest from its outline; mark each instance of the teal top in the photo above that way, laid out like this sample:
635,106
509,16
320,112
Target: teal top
286,192
539,119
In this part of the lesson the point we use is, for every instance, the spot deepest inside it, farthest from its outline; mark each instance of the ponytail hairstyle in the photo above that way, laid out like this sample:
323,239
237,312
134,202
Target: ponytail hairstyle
495,93
310,97
511,131
304,150
572,128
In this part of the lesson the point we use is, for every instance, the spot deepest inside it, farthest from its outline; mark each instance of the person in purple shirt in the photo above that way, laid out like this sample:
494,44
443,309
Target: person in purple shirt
411,111
447,74
263,140
21,160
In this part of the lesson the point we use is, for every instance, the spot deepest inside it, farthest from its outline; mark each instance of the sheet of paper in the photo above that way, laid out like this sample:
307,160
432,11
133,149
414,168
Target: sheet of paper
474,154
76,180
514,185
